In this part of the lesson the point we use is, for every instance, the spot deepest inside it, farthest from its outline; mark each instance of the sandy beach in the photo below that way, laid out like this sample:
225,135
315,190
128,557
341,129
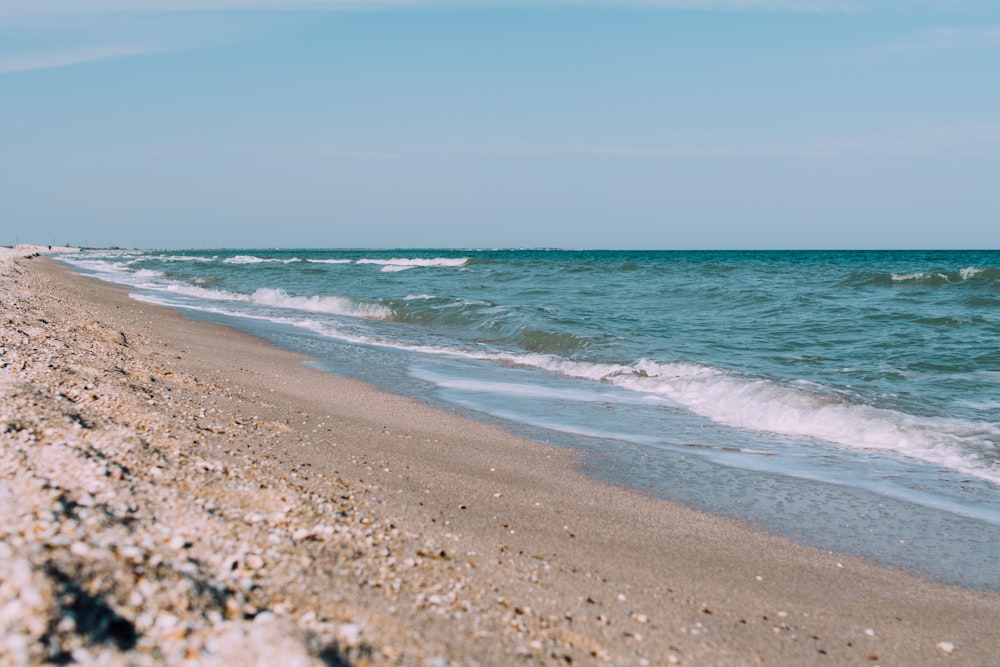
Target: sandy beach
176,492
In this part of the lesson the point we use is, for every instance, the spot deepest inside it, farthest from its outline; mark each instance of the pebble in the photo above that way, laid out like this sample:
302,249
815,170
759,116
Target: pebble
349,634
946,647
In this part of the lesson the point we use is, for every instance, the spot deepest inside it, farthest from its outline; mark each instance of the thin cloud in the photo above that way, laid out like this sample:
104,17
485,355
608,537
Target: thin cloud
972,142
981,140
938,39
947,142
27,63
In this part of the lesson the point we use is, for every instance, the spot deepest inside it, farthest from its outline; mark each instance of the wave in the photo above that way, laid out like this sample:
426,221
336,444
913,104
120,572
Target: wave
334,305
244,259
181,258
279,298
93,262
401,264
925,278
252,259
270,297
388,265
149,273
557,342
535,328
206,293
767,406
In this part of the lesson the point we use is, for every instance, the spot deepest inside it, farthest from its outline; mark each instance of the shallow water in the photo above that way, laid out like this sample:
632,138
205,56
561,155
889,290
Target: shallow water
846,399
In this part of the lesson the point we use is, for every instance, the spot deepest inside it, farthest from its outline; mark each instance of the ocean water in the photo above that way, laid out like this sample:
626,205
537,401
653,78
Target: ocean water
849,400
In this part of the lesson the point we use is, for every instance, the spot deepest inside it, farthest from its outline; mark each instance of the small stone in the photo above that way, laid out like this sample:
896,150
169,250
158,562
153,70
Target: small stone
349,634
946,647
166,621
131,553
264,617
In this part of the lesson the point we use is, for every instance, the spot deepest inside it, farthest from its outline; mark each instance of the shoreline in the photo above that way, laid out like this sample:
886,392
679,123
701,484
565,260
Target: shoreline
463,542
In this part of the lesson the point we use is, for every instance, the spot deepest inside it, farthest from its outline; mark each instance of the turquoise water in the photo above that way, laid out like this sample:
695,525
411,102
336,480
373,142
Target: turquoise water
847,399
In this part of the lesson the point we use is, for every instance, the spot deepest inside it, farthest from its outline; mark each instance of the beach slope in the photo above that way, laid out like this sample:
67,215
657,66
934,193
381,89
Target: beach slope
175,491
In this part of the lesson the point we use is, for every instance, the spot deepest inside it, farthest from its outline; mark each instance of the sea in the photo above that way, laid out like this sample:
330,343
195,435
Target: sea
849,400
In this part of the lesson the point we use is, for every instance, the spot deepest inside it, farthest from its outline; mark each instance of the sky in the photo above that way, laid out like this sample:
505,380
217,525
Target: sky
673,124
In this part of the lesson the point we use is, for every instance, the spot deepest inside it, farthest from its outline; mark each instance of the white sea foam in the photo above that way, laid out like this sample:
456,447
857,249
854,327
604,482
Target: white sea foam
243,259
401,264
982,405
111,271
766,406
969,272
336,305
278,298
417,297
185,289
519,389
903,277
920,276
183,258
252,259
329,261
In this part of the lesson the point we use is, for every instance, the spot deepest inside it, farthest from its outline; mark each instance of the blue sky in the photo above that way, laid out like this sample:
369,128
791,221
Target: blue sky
327,123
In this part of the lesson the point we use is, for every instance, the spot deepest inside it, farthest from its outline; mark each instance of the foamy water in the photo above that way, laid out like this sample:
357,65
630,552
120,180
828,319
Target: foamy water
874,373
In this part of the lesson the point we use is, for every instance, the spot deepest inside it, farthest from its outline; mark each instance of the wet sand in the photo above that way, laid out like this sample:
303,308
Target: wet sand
206,496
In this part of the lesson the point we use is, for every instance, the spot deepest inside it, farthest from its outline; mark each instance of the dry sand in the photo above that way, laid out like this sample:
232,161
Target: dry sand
174,492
